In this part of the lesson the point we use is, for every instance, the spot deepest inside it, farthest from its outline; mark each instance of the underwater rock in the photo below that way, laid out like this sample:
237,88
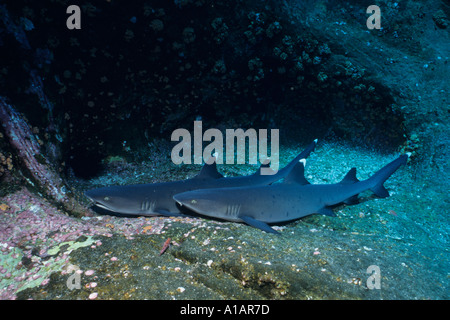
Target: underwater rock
441,19
29,152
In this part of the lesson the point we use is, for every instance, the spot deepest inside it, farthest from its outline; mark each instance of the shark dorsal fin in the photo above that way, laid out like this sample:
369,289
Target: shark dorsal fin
350,177
209,170
297,174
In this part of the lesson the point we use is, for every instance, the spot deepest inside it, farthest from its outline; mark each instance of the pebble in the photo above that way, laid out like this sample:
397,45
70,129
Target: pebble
93,296
89,272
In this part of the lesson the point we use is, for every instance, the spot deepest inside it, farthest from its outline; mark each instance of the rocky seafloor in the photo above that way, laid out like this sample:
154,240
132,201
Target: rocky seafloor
46,254
100,104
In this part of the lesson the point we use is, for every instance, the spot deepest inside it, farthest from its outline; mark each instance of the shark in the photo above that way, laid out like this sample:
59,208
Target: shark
292,199
157,198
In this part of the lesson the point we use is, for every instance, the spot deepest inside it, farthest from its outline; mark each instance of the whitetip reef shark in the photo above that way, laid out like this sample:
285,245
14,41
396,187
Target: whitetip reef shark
157,198
292,199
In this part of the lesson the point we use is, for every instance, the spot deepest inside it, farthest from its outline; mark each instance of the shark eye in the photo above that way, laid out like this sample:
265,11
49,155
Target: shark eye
106,198
193,201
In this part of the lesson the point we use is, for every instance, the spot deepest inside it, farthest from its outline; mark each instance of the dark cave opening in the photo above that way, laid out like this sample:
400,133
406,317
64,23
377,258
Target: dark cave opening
120,82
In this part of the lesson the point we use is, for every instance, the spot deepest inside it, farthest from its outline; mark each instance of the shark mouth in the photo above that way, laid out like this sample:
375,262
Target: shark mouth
100,205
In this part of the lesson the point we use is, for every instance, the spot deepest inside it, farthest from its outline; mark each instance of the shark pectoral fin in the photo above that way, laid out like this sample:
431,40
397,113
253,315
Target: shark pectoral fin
352,200
167,213
326,211
258,224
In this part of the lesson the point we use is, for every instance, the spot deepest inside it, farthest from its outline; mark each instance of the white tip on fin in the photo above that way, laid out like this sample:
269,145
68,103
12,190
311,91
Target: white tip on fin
408,154
315,140
303,161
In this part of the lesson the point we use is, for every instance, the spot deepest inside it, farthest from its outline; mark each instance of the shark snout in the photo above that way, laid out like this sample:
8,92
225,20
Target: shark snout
183,199
196,200
90,196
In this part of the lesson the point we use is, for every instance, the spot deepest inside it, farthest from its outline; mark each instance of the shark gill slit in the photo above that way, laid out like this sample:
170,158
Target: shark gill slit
148,205
233,210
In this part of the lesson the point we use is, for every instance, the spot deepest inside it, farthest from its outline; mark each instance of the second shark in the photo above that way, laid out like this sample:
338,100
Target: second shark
293,199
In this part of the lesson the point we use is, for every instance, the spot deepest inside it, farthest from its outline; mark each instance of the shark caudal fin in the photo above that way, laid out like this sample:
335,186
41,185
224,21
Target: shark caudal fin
383,174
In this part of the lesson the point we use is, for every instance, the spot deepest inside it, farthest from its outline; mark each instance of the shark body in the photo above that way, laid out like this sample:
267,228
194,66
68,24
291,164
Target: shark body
157,198
295,198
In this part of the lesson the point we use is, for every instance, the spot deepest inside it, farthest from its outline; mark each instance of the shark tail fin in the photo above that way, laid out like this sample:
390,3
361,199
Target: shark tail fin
383,174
